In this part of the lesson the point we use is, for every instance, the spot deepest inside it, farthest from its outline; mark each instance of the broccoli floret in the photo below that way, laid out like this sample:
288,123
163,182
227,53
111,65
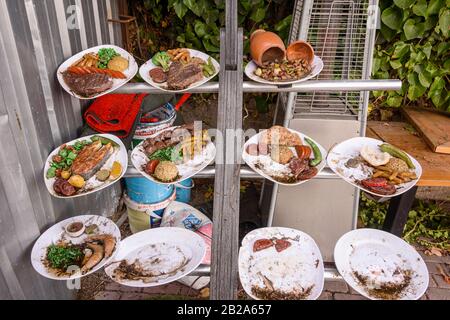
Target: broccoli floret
161,59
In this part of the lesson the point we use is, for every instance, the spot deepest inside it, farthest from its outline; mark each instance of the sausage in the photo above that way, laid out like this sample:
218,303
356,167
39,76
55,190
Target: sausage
374,182
63,187
379,186
281,244
262,244
158,75
307,174
151,166
252,149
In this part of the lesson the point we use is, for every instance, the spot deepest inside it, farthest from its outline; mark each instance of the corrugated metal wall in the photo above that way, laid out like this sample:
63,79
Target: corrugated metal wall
36,116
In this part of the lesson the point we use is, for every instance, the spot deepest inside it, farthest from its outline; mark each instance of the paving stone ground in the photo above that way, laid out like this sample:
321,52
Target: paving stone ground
333,290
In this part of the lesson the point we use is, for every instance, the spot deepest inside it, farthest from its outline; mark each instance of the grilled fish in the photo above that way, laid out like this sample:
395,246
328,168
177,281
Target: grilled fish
91,159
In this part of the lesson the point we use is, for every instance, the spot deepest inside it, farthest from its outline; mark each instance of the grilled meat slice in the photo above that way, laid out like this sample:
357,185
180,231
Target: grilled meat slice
167,139
87,85
181,76
91,159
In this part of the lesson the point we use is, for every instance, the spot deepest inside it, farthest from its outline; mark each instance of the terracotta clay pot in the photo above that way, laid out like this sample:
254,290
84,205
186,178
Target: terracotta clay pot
266,46
300,50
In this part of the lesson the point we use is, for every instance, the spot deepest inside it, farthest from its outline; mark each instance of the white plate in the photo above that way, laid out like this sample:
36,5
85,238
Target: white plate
350,149
186,170
316,69
169,245
57,233
299,266
146,67
117,83
119,155
368,251
251,160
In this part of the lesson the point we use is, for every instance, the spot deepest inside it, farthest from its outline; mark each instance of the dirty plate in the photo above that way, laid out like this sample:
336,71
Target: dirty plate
186,170
296,271
160,256
351,148
272,168
57,233
117,83
92,185
380,265
145,70
317,67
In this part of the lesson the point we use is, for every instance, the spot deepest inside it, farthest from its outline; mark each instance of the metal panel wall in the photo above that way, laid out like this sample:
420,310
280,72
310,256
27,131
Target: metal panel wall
36,116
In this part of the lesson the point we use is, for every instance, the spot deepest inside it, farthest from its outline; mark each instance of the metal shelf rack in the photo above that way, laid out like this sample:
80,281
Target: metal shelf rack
225,246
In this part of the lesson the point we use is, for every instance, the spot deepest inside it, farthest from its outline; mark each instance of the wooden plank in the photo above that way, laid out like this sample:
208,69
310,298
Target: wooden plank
435,166
224,274
434,128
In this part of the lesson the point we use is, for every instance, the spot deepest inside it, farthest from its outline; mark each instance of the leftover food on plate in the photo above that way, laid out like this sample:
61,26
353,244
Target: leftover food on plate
94,73
283,70
281,154
84,165
65,258
179,69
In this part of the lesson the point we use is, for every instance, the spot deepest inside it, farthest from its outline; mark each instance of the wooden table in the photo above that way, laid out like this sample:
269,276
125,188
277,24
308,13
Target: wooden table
435,167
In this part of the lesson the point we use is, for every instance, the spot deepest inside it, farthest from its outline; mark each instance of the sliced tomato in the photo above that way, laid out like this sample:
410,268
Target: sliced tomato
262,244
281,244
374,182
151,166
303,152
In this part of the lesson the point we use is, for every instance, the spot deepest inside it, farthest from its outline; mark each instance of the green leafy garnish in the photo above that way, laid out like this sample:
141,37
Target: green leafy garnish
61,257
105,55
166,154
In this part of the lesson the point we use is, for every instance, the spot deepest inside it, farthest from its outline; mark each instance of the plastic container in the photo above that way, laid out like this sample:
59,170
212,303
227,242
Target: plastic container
142,190
184,189
146,216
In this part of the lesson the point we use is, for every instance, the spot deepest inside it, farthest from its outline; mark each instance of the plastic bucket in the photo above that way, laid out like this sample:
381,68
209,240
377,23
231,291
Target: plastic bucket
142,190
184,189
146,216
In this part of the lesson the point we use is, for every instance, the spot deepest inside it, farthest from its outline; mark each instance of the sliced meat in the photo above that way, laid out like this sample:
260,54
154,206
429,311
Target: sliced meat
181,76
262,244
307,174
374,182
158,75
379,186
64,188
263,149
87,85
167,139
297,166
91,159
281,244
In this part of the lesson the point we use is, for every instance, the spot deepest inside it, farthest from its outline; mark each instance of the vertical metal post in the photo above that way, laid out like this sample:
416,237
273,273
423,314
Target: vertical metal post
225,246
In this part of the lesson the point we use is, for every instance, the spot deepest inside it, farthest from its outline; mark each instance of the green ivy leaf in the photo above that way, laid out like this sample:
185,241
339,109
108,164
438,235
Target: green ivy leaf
200,28
434,7
210,47
284,24
395,64
412,29
438,98
443,47
181,38
401,49
430,22
258,15
195,6
438,85
426,49
420,8
404,4
376,65
180,9
444,22
392,18
425,78
394,100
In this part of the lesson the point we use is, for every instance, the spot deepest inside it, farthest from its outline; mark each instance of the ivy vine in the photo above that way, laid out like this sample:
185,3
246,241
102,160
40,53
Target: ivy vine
414,46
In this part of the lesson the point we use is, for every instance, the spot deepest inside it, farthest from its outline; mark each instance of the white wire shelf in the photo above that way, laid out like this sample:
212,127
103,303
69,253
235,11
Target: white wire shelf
307,86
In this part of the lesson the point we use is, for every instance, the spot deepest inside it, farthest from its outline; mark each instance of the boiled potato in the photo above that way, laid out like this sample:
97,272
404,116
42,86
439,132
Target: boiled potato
77,181
118,64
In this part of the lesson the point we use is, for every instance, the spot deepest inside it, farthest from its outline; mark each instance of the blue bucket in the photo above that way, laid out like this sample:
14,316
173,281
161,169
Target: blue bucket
142,190
184,190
